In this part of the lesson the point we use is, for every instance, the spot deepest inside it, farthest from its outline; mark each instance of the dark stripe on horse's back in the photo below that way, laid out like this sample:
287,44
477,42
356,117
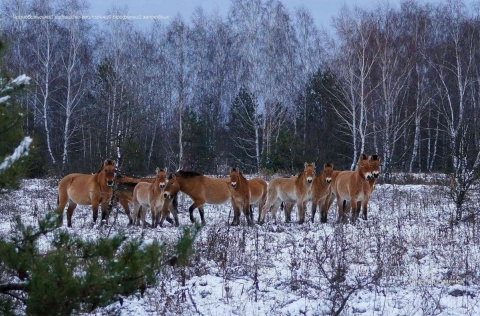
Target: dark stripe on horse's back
187,174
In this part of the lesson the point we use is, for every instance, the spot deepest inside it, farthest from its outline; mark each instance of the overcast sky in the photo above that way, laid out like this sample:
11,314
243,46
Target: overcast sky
321,10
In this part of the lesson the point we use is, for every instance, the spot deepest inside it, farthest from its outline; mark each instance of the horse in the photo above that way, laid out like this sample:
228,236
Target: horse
150,196
240,196
321,191
258,193
86,189
354,186
124,194
200,188
295,189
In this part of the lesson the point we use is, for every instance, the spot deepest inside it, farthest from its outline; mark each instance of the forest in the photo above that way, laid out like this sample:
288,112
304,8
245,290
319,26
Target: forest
263,88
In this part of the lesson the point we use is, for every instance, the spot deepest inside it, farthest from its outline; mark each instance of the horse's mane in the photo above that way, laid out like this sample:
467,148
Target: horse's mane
328,165
106,163
241,174
301,175
187,174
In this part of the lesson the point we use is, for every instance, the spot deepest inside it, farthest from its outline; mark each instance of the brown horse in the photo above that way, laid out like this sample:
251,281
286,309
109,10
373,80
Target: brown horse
354,186
124,194
321,191
85,189
150,196
240,196
200,188
295,189
258,193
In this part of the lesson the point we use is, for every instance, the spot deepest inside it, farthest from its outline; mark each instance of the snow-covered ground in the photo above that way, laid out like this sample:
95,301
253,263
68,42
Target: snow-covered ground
406,259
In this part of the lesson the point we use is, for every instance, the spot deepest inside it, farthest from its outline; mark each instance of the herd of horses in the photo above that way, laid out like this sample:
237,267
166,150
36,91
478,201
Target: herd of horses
351,189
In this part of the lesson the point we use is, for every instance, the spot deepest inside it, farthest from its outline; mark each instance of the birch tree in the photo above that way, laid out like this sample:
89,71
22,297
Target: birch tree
44,48
74,71
454,64
354,60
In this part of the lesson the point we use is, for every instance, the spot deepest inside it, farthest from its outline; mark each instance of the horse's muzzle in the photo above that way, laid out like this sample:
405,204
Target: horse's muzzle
162,186
110,183
309,180
166,195
376,174
329,180
234,185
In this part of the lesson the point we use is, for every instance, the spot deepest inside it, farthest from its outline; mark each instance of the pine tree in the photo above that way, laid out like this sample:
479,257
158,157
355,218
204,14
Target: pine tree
13,145
74,275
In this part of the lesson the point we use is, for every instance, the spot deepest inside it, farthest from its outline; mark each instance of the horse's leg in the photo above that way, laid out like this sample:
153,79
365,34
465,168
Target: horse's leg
275,207
174,212
268,204
71,208
236,213
324,209
143,216
95,205
246,211
136,209
62,200
287,210
104,212
340,208
301,212
365,203
354,208
314,208
126,207
202,214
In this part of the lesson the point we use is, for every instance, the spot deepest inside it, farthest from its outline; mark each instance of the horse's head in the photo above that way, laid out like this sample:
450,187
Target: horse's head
234,177
172,187
309,172
161,177
109,171
328,172
375,163
364,167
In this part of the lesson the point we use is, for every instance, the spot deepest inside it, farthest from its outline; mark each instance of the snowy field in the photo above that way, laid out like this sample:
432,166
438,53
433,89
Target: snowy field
407,259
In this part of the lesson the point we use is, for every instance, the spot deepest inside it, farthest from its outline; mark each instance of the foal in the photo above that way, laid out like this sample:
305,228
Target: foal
150,196
297,190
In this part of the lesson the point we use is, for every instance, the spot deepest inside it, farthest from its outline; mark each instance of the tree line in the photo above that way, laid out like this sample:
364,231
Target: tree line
262,88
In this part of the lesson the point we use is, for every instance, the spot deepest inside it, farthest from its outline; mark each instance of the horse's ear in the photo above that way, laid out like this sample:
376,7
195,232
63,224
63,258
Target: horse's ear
331,165
325,165
375,157
363,157
157,170
165,169
305,165
109,162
